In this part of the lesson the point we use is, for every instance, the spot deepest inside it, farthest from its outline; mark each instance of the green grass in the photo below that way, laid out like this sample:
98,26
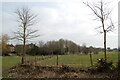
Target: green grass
11,61
80,60
8,62
71,60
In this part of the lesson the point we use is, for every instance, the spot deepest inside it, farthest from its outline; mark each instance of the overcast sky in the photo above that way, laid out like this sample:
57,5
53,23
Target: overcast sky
67,19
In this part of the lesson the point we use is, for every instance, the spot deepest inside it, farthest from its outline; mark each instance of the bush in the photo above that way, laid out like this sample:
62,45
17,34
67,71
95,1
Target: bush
104,65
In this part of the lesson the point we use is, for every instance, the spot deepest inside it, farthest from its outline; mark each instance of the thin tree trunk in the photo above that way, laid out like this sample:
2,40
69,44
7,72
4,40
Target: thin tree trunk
105,45
23,56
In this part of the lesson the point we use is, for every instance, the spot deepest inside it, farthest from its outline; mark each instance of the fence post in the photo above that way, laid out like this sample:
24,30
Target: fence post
91,59
57,60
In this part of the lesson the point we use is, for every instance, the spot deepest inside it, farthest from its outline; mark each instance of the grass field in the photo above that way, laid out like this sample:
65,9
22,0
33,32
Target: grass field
80,60
10,61
71,60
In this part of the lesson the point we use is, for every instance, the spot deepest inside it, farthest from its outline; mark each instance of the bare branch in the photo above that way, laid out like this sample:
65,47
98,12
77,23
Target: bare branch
33,36
102,13
25,20
93,9
111,26
30,32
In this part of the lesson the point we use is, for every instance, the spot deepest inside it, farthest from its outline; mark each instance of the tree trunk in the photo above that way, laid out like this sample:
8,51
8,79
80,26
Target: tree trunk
105,45
24,41
23,55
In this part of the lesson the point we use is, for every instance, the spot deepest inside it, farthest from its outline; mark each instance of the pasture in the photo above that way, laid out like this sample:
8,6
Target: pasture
10,61
82,61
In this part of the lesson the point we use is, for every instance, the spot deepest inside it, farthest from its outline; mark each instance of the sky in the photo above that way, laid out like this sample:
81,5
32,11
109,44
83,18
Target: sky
66,19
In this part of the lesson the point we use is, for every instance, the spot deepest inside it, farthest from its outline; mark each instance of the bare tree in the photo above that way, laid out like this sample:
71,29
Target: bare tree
103,14
26,19
41,44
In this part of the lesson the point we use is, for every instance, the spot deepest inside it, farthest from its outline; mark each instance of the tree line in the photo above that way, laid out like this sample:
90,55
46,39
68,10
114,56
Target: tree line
60,47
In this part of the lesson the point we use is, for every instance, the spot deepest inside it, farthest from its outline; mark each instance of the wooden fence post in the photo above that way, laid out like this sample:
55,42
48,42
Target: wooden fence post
91,59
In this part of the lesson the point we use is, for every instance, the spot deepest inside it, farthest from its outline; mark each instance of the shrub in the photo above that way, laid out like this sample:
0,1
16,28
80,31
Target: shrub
102,66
